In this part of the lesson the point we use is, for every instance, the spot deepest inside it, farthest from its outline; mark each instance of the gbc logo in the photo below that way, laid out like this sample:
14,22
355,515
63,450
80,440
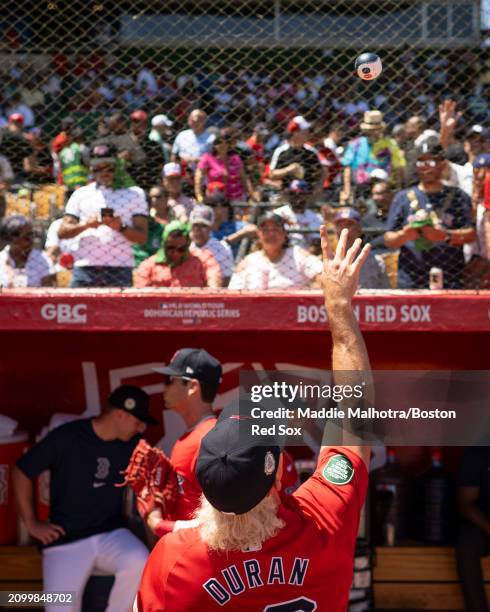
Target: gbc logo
65,313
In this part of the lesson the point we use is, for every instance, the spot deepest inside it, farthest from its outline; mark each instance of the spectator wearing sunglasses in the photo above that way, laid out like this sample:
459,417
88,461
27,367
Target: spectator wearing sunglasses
108,218
225,165
191,383
21,265
160,215
176,265
226,227
422,244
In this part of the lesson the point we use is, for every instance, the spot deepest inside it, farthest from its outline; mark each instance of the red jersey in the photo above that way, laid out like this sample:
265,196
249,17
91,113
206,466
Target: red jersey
308,564
290,479
329,161
184,459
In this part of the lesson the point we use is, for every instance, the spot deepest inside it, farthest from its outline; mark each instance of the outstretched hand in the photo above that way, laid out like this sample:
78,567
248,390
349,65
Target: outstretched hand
340,277
448,116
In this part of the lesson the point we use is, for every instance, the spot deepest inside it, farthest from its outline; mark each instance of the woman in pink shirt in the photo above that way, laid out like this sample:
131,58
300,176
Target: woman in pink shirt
223,165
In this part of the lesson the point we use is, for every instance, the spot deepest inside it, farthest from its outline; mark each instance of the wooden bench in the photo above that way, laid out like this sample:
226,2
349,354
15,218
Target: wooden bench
419,578
21,570
405,578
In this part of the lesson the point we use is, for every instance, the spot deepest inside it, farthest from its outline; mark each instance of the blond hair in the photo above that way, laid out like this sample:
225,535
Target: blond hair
225,532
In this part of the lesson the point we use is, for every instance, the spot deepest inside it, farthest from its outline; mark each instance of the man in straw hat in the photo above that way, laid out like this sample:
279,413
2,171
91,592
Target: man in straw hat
368,152
252,548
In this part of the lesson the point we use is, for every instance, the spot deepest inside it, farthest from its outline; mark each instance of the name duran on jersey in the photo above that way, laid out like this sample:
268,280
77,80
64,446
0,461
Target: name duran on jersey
255,574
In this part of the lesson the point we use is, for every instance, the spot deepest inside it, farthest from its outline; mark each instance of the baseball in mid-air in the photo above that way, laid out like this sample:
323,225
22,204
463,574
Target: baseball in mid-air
368,66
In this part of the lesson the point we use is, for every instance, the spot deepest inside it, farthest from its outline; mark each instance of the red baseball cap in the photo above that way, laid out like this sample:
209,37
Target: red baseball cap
298,123
16,118
139,115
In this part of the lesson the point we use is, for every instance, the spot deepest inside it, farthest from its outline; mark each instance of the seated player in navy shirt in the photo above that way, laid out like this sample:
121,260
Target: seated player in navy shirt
86,529
439,245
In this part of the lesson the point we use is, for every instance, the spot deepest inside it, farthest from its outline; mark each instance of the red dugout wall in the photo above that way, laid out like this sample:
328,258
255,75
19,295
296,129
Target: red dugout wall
64,351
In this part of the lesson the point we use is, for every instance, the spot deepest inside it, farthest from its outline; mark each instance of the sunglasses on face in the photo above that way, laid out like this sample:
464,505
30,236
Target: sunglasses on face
181,249
104,169
169,380
432,163
274,229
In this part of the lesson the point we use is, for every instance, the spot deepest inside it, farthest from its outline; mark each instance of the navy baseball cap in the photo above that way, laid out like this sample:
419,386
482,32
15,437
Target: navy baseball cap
477,130
235,474
350,214
482,161
299,186
103,153
133,400
194,363
431,148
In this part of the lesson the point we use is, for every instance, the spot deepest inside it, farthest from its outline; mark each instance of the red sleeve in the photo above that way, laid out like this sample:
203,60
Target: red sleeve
334,495
151,594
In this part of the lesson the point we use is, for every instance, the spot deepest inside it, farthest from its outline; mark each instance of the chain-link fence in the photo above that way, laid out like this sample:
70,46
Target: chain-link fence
117,118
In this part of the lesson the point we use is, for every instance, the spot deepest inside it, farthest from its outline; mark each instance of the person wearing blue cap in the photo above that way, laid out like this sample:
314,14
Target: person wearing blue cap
373,274
253,548
86,528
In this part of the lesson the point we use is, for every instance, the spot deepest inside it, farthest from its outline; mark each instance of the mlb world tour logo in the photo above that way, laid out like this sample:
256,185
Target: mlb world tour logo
371,313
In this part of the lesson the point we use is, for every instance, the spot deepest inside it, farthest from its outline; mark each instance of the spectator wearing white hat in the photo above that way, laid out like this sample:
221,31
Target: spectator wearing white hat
160,131
181,204
202,221
295,159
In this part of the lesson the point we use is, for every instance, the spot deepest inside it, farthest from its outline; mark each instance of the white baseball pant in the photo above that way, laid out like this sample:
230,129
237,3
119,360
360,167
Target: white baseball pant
68,567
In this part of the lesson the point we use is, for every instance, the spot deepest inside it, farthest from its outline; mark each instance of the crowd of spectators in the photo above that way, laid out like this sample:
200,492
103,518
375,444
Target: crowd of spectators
149,205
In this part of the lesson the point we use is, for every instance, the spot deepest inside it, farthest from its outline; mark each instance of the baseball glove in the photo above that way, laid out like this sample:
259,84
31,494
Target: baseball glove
153,480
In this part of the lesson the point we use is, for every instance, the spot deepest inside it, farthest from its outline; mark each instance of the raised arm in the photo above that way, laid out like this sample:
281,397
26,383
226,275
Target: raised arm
340,279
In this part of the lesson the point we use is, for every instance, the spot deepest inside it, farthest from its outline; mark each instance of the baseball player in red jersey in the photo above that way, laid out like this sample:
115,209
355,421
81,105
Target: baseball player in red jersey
254,548
192,380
